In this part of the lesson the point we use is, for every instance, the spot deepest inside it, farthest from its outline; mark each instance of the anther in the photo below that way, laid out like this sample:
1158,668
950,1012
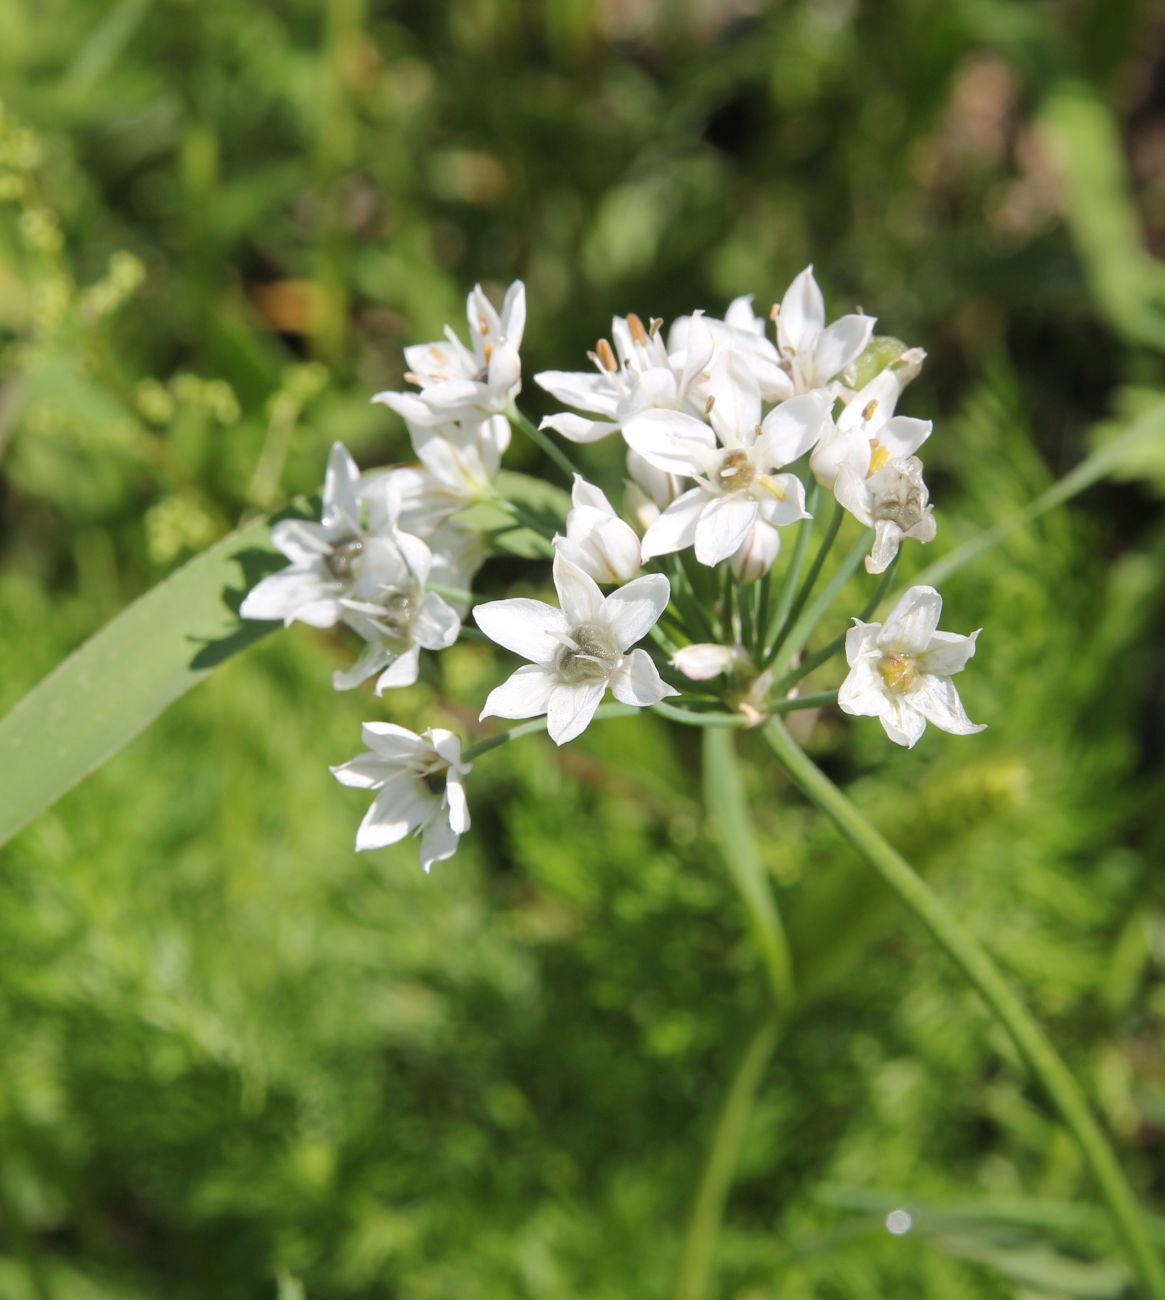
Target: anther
869,409
710,403
482,323
606,355
656,326
638,333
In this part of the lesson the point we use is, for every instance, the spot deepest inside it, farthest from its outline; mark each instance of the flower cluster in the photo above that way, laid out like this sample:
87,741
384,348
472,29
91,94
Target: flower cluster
733,433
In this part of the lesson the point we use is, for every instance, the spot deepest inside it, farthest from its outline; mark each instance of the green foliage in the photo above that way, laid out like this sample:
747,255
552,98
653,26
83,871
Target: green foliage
241,1061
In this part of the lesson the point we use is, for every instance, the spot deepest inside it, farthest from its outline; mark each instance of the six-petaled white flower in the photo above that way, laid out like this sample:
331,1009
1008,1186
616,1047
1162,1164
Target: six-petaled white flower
419,788
638,374
597,540
901,670
456,381
732,463
576,652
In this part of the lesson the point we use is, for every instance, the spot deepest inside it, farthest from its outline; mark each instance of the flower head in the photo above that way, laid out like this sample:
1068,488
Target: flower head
577,651
458,381
900,671
418,780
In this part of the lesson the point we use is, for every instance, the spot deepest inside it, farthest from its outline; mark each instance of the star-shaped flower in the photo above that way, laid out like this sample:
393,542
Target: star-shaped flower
900,671
732,463
455,380
576,652
419,787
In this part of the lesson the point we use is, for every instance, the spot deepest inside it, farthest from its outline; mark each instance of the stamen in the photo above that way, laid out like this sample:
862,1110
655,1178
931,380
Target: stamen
772,487
606,355
879,455
656,326
638,333
897,671
483,324
489,351
710,403
869,409
774,312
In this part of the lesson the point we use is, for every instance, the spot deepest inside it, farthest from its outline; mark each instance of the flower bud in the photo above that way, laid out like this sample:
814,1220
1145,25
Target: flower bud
597,540
706,659
661,487
754,556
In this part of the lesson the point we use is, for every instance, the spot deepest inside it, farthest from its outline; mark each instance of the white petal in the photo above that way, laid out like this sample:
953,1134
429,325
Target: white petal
902,436
302,540
937,700
789,430
586,494
638,681
802,316
372,659
524,694
840,344
578,593
851,492
903,724
861,641
705,660
586,390
392,742
293,594
410,406
698,348
872,406
457,804
736,406
887,538
438,841
522,625
723,524
341,504
577,429
513,322
394,812
676,527
782,499
655,387
401,672
436,624
364,772
863,693
671,441
912,622
947,653
571,708
630,613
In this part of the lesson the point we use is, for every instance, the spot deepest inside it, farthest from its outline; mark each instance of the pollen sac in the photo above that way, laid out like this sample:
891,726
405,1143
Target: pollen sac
736,471
591,655
342,560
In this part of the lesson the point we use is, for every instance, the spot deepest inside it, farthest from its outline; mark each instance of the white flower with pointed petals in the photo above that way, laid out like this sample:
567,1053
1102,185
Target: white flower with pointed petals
456,381
868,433
732,463
901,670
327,559
638,374
814,352
894,501
743,334
419,785
597,540
576,652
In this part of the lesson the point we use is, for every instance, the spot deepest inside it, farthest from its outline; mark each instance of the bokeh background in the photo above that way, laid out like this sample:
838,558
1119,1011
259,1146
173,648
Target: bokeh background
237,1060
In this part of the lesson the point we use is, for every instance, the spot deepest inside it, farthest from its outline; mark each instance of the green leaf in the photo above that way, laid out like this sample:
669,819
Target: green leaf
152,653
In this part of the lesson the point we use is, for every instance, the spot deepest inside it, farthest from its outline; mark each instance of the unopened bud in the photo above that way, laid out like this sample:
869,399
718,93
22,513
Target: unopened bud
706,659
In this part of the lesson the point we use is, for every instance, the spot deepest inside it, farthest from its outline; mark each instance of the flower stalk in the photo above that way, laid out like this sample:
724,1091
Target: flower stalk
1037,1052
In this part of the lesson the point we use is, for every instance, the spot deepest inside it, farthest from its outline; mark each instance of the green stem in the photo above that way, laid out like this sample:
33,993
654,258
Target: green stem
1037,1052
535,725
723,1153
817,608
731,826
548,445
815,660
773,630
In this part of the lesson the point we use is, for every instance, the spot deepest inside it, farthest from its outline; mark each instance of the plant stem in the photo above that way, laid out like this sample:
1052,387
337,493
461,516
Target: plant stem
812,614
712,1193
548,445
731,826
539,724
972,959
772,632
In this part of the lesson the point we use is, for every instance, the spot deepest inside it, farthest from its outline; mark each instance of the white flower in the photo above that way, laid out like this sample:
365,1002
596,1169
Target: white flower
457,381
755,556
597,540
577,651
894,501
813,352
743,334
732,466
900,671
419,785
639,374
706,659
328,559
868,433
397,617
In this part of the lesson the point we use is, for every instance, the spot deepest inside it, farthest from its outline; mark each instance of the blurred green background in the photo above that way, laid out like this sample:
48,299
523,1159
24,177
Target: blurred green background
237,1060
